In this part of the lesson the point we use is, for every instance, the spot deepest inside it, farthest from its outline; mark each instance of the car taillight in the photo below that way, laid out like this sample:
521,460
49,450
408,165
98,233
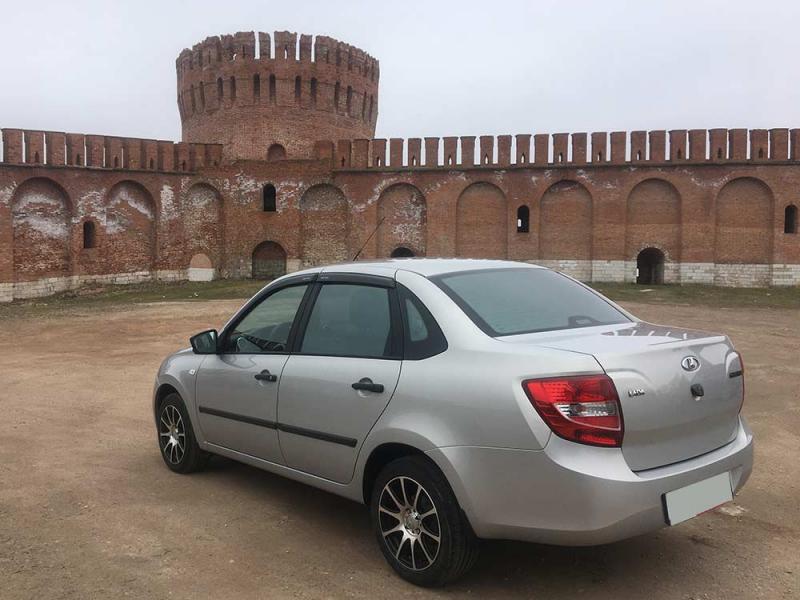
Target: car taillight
583,409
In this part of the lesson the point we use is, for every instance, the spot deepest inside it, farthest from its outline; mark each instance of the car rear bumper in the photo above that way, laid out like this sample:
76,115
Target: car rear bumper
571,494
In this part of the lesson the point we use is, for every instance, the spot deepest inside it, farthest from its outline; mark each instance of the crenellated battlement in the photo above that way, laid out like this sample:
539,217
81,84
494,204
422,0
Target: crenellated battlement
677,146
251,91
288,46
59,149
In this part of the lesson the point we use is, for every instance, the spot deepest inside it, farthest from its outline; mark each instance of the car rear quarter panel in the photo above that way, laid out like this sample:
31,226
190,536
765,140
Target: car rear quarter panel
471,394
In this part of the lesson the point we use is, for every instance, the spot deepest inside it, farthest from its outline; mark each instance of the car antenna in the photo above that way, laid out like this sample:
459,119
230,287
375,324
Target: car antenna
369,238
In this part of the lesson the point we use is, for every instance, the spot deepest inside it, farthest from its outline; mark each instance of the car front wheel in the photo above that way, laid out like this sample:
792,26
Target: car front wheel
420,527
176,440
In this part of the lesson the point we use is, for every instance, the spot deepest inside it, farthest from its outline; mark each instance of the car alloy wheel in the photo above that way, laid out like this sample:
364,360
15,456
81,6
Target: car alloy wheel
409,523
172,434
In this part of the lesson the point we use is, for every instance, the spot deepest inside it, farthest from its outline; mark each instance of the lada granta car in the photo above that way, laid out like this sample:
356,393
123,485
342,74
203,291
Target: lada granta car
464,399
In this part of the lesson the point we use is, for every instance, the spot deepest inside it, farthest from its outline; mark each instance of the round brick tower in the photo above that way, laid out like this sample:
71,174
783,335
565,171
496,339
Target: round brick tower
265,103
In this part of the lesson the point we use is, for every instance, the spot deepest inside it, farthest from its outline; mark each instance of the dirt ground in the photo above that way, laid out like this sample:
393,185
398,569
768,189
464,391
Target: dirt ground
88,510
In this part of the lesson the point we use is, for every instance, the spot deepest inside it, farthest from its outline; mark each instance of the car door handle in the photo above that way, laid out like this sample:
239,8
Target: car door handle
367,385
265,375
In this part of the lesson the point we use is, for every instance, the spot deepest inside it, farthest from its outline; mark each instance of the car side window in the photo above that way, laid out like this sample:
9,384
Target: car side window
350,320
265,329
423,337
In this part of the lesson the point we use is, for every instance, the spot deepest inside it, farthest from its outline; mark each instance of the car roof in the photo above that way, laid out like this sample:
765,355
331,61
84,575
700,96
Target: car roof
427,267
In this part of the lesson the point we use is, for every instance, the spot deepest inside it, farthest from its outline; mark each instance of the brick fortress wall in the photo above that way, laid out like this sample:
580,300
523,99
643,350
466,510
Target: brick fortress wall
78,208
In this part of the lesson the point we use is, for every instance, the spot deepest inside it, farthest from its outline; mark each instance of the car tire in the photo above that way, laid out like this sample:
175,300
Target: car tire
421,530
176,439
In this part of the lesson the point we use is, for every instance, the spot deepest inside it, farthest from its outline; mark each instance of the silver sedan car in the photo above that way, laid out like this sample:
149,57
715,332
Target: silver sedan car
464,399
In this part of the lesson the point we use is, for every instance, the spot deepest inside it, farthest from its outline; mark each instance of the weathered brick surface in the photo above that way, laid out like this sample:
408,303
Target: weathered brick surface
712,201
250,103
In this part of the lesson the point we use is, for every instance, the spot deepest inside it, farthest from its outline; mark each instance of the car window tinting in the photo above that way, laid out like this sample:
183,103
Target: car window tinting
423,338
266,327
514,301
349,320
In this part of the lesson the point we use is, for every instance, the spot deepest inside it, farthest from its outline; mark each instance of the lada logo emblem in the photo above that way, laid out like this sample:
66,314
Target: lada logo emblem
690,363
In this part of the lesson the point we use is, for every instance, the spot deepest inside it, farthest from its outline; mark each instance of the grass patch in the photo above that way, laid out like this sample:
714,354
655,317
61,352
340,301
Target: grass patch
705,295
109,296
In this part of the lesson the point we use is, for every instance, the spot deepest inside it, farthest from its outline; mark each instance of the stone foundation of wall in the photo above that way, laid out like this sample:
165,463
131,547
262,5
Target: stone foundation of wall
584,270
54,285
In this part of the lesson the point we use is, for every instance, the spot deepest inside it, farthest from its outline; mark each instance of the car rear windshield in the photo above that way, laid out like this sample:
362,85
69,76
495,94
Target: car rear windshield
513,301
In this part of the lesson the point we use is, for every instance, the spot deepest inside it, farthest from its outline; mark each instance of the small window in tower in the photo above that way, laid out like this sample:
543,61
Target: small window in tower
152,164
314,91
298,89
349,101
679,154
638,155
220,93
270,198
336,94
116,162
272,90
89,234
256,87
760,153
719,152
522,158
78,160
233,88
599,157
194,104
790,219
523,219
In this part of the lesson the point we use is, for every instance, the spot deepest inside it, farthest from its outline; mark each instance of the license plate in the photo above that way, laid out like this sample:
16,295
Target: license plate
687,502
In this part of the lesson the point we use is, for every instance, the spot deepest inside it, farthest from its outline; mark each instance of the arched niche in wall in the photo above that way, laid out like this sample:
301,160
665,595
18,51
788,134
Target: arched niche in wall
276,152
744,222
405,217
653,217
269,260
130,228
203,222
565,222
324,224
482,222
40,219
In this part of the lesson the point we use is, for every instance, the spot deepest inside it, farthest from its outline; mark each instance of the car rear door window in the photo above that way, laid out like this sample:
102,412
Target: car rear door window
350,320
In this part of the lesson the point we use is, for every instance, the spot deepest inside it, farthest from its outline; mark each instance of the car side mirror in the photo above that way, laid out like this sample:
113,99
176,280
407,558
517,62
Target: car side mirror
205,342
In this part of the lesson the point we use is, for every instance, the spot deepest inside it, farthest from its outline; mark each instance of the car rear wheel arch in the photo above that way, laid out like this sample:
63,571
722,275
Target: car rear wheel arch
380,457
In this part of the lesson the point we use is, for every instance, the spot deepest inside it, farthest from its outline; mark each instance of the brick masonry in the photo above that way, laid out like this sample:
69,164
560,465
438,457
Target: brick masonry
78,208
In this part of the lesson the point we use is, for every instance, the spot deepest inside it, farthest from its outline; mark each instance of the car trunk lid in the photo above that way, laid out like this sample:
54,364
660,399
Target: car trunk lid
680,389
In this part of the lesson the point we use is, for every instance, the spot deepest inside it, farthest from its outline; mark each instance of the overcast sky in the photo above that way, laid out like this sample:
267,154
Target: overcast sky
447,67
